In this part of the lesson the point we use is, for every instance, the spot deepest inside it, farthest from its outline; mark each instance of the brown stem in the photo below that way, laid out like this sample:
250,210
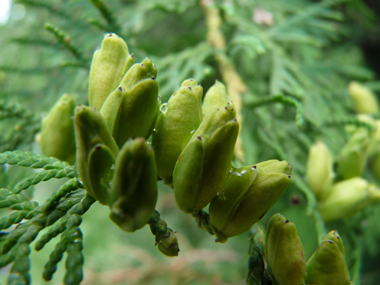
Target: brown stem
235,85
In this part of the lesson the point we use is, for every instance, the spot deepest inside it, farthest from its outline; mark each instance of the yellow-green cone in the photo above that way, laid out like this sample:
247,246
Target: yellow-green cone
108,67
177,121
319,173
136,113
284,252
134,186
353,156
96,152
248,193
327,265
205,162
216,97
365,101
347,197
57,133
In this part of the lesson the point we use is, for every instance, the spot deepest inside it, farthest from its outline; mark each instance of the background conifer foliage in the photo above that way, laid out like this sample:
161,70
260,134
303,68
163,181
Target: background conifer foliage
297,72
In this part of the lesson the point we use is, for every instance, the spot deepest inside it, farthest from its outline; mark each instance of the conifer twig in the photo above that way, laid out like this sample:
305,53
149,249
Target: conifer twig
283,100
52,8
108,14
334,122
64,39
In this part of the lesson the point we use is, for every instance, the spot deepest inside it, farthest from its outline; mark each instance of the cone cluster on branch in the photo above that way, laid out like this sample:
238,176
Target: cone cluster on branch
340,190
191,149
285,257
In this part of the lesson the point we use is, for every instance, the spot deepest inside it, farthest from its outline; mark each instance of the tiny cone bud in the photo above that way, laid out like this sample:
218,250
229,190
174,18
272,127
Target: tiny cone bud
168,245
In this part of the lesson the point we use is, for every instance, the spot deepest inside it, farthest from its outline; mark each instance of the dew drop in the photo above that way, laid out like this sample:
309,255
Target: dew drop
164,107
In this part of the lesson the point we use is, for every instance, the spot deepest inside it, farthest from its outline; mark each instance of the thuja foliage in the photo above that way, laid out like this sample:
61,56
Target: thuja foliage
279,74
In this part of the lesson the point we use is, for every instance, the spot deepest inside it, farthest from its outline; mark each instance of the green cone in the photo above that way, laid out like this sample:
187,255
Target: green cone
216,97
284,252
177,121
353,156
134,186
327,265
96,152
248,193
319,172
203,165
108,67
130,110
347,197
365,101
57,133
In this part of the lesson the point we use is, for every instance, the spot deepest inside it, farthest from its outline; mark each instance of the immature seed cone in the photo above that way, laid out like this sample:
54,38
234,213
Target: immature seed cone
108,66
57,133
319,173
134,186
327,265
96,152
353,156
168,245
248,193
215,97
130,110
365,101
177,121
284,252
203,165
347,197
